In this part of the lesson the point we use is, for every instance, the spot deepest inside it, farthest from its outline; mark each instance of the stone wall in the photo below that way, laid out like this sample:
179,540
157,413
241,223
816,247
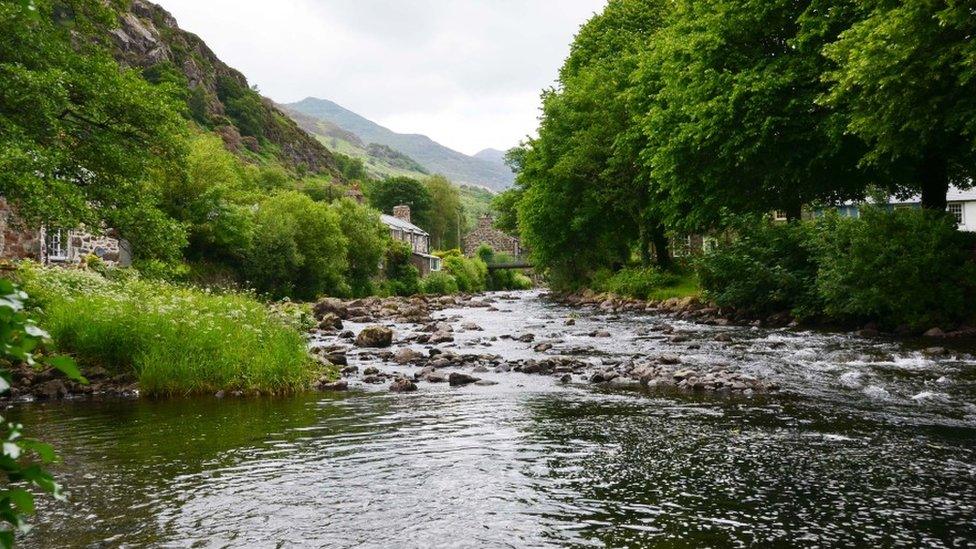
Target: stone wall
18,241
486,233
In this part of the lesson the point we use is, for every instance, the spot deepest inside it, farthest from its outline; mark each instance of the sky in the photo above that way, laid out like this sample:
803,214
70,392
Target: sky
467,73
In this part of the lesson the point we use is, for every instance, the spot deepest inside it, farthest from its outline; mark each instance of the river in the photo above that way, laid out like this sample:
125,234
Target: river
868,443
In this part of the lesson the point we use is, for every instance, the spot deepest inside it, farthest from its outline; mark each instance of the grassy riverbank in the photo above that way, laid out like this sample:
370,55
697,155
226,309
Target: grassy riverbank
647,284
173,340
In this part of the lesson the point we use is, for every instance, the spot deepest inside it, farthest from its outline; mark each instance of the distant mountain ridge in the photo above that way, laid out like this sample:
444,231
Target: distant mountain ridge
486,171
494,156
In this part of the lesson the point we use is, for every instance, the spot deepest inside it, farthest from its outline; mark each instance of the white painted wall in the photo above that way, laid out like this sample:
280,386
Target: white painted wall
968,216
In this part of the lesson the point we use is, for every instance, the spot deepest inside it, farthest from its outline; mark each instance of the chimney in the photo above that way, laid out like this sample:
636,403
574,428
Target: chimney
402,212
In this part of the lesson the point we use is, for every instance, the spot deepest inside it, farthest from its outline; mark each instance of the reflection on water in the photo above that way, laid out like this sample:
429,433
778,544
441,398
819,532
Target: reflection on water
531,463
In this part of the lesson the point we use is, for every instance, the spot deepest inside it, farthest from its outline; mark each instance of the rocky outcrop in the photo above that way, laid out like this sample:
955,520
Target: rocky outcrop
149,38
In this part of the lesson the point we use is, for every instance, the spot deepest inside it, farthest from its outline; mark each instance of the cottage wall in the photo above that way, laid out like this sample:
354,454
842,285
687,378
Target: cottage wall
486,233
16,240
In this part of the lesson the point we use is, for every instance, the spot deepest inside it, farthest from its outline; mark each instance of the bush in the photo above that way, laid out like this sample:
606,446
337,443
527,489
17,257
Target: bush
402,277
440,283
367,239
640,283
298,249
906,267
174,340
767,268
471,273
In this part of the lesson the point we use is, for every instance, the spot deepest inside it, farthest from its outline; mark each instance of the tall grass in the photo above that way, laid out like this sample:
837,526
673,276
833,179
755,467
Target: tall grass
174,340
646,283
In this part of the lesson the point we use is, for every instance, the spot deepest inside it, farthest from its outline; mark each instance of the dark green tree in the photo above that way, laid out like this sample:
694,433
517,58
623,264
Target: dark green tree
732,118
906,78
385,195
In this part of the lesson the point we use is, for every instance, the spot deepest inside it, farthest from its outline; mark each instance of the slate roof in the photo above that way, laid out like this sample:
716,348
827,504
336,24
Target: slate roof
398,223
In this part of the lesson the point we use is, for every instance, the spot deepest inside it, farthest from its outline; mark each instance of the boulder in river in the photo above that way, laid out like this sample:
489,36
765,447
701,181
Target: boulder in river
403,385
406,356
330,305
375,336
332,386
330,322
526,338
457,379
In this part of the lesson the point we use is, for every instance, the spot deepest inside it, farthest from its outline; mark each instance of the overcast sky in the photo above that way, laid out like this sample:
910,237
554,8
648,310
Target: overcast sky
467,73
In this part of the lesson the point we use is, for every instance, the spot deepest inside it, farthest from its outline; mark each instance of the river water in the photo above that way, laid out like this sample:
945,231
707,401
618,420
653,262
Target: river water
868,443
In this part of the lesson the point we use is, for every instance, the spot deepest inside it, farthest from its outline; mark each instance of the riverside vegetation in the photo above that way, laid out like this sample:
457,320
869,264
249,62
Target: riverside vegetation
701,117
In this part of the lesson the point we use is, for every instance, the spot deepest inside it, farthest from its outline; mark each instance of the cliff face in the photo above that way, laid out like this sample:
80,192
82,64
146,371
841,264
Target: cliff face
218,96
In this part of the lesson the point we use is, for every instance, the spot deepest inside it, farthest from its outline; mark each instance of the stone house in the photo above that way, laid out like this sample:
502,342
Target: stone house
49,245
486,233
419,240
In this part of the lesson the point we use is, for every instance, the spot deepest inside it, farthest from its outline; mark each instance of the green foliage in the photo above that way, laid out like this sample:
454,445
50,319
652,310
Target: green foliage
367,239
384,195
905,267
174,340
298,248
79,136
505,206
767,268
904,77
641,283
402,277
440,283
22,458
446,218
471,273
243,105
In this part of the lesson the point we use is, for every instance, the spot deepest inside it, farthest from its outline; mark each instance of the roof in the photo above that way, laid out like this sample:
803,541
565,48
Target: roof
955,194
397,223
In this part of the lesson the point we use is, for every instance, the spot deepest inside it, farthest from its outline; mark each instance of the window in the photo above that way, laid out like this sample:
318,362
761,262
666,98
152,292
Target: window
779,215
56,244
956,211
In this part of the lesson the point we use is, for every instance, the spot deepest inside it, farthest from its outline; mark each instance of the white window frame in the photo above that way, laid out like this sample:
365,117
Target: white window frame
959,211
780,215
62,252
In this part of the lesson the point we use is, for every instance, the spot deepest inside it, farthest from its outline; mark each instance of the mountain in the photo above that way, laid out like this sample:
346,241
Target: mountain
380,161
434,157
494,156
218,97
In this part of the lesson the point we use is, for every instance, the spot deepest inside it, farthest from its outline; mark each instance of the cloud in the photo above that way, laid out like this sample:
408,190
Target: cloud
465,72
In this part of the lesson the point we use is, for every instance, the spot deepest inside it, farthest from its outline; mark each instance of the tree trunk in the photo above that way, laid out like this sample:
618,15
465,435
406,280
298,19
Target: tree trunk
934,180
661,251
644,243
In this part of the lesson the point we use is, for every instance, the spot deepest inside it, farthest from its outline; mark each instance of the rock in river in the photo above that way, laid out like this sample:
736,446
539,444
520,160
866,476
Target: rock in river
375,336
457,378
403,385
330,305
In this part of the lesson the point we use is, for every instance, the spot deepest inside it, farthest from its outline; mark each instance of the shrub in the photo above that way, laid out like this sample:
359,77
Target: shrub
174,340
402,277
440,283
905,267
766,268
367,239
298,249
471,273
640,283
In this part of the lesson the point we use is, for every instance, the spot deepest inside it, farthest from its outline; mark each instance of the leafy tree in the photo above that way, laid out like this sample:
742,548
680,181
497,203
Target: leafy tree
79,136
298,249
387,194
367,239
732,120
584,204
447,213
905,76
505,206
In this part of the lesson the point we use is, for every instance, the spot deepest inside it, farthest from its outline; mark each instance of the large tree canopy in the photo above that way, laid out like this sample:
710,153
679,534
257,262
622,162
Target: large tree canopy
582,203
732,117
906,77
396,191
79,136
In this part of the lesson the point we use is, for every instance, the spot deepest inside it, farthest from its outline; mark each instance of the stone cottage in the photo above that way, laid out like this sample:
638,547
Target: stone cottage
419,240
57,246
486,233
